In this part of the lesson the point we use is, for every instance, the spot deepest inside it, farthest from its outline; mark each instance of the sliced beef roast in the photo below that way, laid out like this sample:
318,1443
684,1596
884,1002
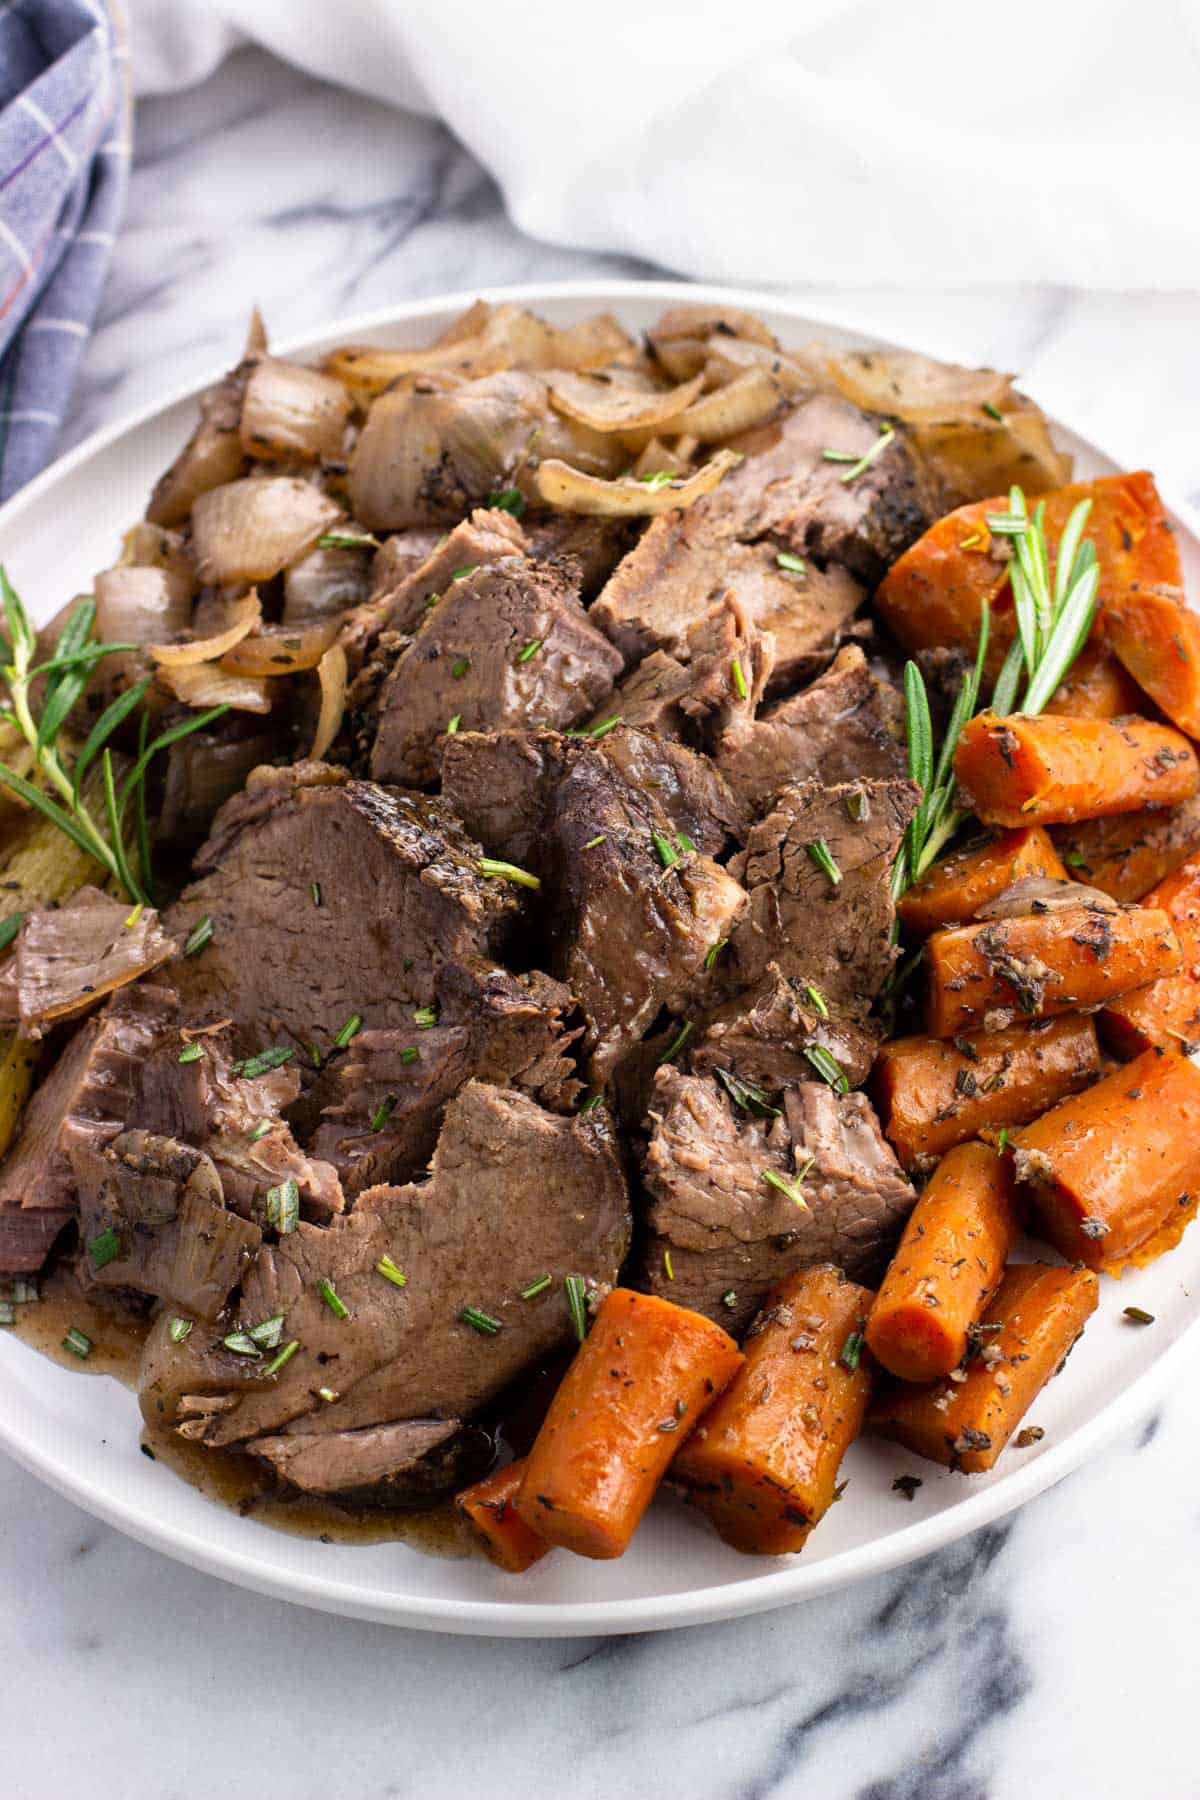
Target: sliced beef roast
359,1466
786,499
717,673
514,1193
69,957
152,1217
730,1230
487,536
594,546
846,726
506,644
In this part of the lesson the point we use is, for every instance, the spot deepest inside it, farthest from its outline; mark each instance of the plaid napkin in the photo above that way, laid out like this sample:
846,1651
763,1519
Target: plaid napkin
64,166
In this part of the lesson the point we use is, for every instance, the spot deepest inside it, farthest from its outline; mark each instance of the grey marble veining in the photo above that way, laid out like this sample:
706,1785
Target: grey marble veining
1050,1655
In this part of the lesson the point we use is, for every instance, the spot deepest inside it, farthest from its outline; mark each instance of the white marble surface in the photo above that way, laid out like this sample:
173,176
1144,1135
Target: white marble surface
1052,1655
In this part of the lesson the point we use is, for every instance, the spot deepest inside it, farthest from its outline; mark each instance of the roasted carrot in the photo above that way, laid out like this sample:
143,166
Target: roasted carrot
1025,1335
638,1384
933,1093
1157,637
1167,1012
1098,686
953,890
507,1539
933,595
1021,771
1115,1173
1039,964
763,1463
947,1266
1131,853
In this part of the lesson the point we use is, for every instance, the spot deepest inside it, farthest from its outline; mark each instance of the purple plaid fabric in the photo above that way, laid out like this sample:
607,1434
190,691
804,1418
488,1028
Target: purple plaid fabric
64,166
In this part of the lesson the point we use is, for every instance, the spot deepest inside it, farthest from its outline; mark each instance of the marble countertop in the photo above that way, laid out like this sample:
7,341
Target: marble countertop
1053,1654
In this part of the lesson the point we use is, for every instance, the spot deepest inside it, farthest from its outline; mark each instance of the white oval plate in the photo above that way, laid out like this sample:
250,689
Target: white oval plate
81,1436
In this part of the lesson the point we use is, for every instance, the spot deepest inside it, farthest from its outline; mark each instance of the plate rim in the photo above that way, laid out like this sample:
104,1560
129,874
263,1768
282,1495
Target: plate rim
738,1598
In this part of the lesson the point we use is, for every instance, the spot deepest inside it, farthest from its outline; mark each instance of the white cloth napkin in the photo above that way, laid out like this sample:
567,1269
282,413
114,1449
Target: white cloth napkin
871,142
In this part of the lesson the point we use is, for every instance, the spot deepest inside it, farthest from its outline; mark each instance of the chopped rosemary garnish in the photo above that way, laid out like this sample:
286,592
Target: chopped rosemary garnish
453,725
178,1329
383,1113
387,1268
510,500
658,478
851,1351
200,935
677,1042
135,915
790,1188
887,432
668,1265
480,1321
506,871
425,1018
739,680
714,950
1138,1316
729,1298
590,1104
285,1356
577,1304
8,1313
461,574
105,1248
1075,859
262,1129
349,1031
795,565
253,1066
604,727
241,1343
191,1053
827,1067
531,649
1002,1140
315,891
315,1057
347,540
687,845
747,1094
858,807
461,668
818,999
823,857
9,928
25,1293
668,855
993,412
326,1394
410,1054
536,1287
268,1335
332,1299
599,838
78,1343
283,1206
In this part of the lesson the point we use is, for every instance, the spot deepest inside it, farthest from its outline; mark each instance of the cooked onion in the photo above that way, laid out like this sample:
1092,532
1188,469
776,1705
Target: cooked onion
141,605
251,529
748,400
620,405
325,583
281,649
558,484
212,455
485,341
727,358
331,672
657,459
704,322
244,615
292,411
208,684
148,546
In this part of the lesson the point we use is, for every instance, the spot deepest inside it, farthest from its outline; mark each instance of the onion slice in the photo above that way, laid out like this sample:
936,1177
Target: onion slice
749,399
208,684
136,605
282,649
485,341
558,484
331,672
292,411
250,530
245,615
621,406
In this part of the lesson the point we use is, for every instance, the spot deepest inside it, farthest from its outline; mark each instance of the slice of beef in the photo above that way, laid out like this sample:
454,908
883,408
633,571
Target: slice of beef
763,1032
352,1464
846,726
380,1106
514,1193
488,536
629,912
828,936
69,957
163,1205
400,556
84,1099
785,498
329,899
684,785
207,768
730,1232
716,674
595,546
508,644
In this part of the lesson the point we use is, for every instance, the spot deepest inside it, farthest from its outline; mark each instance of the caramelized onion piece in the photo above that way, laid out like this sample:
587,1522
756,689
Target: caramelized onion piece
250,530
212,455
1045,894
244,616
281,649
558,484
622,404
137,605
704,322
485,341
208,684
659,459
325,583
331,672
69,957
749,399
292,411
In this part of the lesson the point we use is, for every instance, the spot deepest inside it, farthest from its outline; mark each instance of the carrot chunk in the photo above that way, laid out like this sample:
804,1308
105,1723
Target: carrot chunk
489,1505
933,595
1157,637
1037,1314
932,1093
763,1463
1128,855
1167,1011
1097,686
1049,771
1040,964
1115,1173
637,1386
947,1266
953,890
